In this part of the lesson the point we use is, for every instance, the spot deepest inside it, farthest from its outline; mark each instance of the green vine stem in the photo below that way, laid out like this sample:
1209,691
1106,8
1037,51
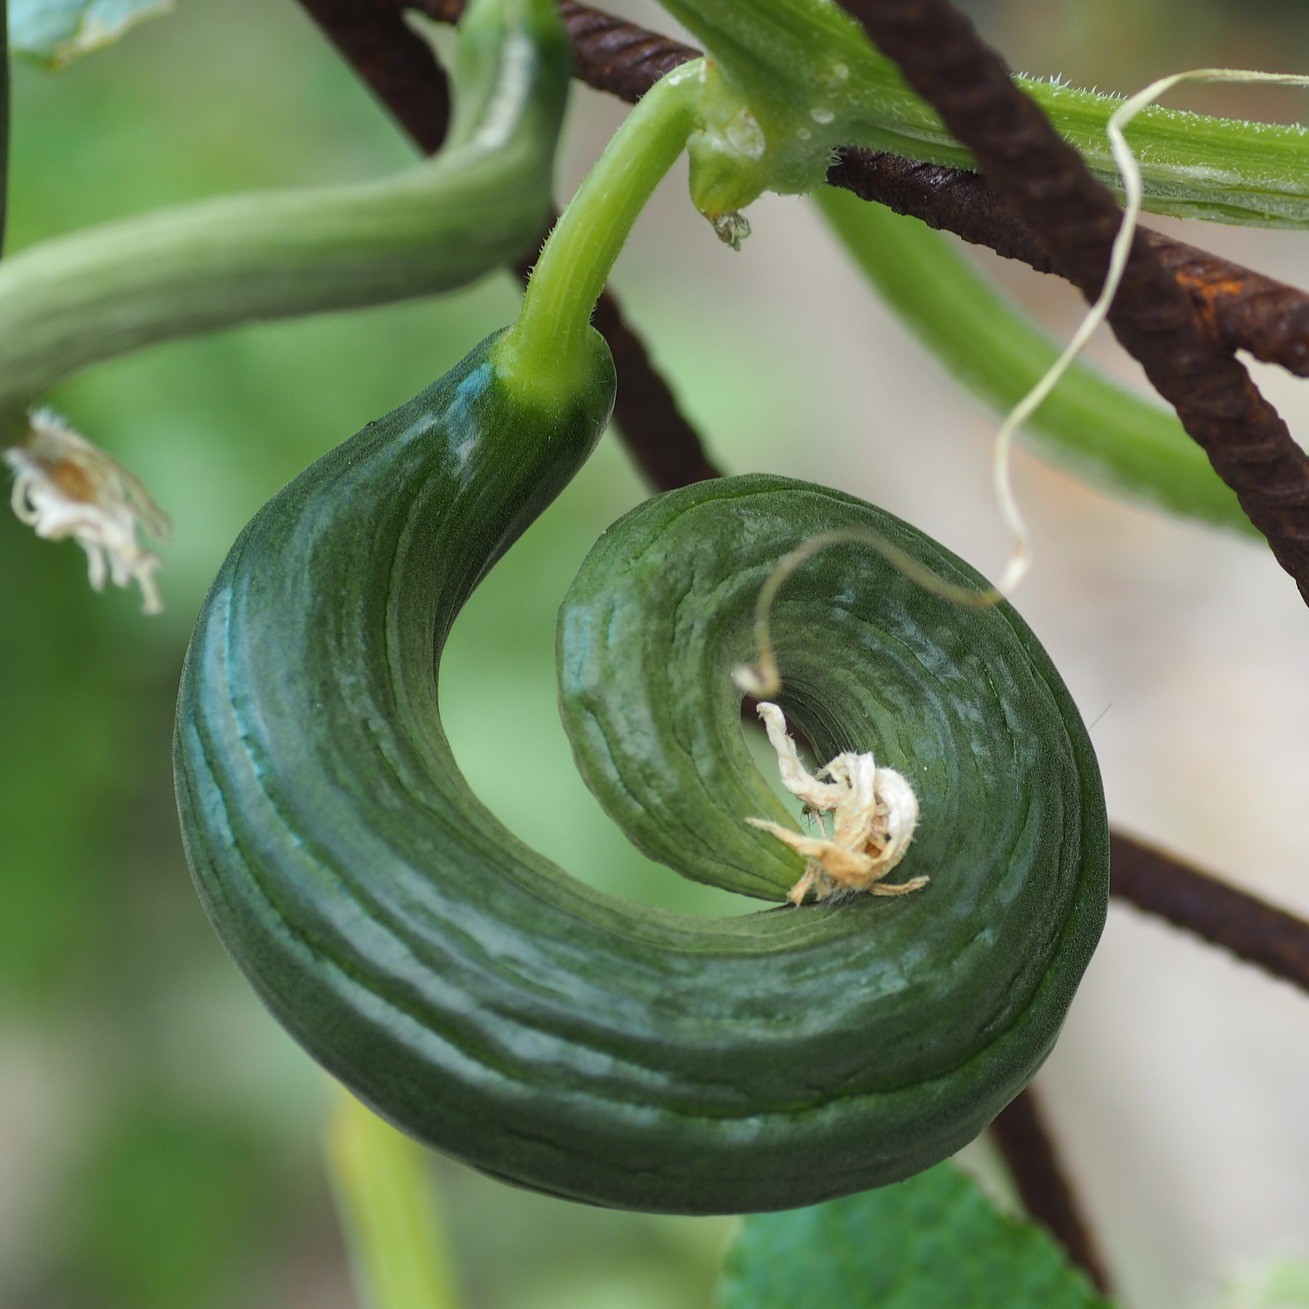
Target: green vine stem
1088,425
793,79
548,348
388,1212
480,203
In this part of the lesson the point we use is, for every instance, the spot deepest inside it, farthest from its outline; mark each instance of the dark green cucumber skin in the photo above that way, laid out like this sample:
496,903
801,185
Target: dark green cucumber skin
492,1007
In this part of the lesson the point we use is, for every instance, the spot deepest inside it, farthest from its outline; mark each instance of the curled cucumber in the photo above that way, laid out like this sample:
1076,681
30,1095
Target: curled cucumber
496,1009
472,992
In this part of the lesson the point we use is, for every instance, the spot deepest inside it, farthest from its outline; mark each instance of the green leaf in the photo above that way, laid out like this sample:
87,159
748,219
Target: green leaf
55,32
932,1241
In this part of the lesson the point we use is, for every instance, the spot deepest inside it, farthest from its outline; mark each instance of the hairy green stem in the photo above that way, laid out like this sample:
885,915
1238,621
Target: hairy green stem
546,348
1088,425
388,1212
810,81
1222,170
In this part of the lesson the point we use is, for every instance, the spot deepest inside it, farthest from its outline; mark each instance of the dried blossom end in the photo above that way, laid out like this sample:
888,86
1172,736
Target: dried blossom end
873,813
66,487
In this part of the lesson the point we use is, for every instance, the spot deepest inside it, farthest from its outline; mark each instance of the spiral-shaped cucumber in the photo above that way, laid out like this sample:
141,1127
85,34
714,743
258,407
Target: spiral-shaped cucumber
474,994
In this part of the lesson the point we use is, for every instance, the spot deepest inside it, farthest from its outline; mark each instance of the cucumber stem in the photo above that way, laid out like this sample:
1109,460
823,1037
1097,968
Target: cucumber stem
92,295
547,349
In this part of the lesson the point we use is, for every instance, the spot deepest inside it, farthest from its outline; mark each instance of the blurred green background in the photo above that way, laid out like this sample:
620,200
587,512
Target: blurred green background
160,1140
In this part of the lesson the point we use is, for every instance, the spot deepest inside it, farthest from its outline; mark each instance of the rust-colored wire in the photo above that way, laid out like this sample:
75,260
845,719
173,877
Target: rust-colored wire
1242,309
397,64
1236,921
609,53
1032,1157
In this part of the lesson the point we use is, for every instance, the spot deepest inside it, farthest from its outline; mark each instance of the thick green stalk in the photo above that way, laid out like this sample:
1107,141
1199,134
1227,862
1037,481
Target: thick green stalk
388,1211
1088,425
548,347
87,297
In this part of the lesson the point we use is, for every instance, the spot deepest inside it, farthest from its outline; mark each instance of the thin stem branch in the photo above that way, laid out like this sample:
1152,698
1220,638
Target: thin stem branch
1030,1154
1246,926
580,251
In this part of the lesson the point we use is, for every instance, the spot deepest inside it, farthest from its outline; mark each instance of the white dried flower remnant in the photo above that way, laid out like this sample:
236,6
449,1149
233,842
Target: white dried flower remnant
64,486
874,812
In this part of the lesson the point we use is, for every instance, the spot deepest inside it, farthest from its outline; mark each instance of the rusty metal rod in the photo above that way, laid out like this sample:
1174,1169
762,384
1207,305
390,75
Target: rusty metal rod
1234,920
395,62
1032,1157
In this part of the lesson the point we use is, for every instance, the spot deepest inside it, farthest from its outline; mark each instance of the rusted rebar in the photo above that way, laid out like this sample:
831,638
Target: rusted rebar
619,57
1242,309
1246,926
658,436
1032,1157
395,62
